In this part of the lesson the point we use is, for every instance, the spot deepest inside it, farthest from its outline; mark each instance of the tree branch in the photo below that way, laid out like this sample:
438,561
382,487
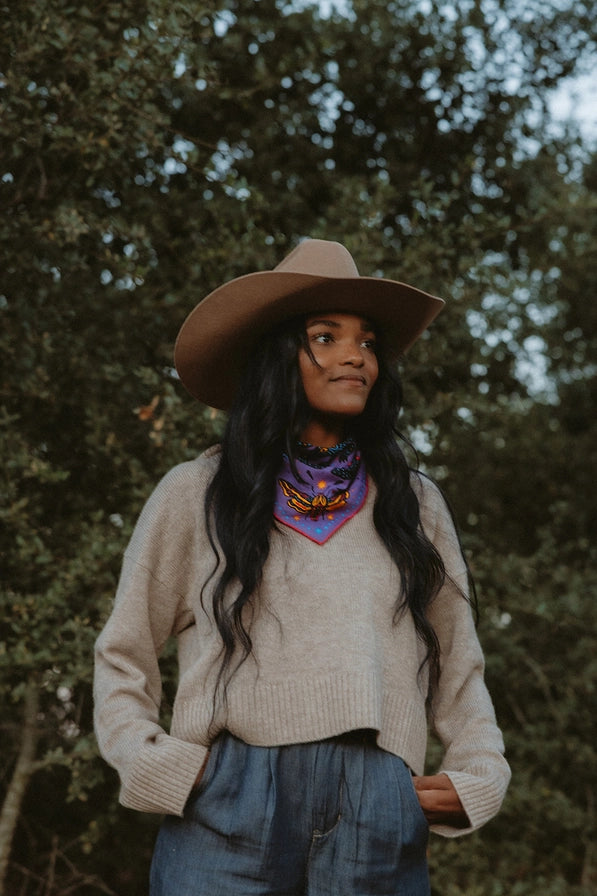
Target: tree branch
24,768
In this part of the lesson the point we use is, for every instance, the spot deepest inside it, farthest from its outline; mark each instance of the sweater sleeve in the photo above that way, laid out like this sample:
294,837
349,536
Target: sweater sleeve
156,771
462,712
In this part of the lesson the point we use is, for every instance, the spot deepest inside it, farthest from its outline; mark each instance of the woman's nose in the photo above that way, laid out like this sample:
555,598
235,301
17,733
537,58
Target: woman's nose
353,354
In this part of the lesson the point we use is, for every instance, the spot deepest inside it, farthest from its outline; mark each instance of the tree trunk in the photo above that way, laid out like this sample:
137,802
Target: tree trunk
24,768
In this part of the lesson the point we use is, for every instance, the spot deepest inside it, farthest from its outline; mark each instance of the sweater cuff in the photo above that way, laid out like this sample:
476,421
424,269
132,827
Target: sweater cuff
163,776
481,799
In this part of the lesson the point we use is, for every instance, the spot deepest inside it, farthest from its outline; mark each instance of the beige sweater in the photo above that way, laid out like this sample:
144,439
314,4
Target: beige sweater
327,657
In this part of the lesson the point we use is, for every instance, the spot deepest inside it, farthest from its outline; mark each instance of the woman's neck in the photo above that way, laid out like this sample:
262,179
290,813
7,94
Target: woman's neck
324,434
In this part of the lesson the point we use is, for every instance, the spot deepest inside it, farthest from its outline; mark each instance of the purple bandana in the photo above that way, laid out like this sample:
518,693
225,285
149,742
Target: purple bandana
331,487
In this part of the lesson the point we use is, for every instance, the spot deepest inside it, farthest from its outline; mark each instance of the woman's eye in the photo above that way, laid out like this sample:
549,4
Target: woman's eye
322,338
370,344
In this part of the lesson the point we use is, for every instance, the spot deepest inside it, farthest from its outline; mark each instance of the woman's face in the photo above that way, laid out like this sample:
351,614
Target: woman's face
338,385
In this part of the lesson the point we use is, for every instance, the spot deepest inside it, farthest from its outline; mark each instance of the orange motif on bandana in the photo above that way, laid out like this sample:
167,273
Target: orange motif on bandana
315,506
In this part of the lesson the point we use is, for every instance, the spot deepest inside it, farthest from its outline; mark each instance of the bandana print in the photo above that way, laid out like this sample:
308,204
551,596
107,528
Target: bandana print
330,489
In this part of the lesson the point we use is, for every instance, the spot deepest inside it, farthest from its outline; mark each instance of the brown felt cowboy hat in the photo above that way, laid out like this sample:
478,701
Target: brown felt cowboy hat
218,336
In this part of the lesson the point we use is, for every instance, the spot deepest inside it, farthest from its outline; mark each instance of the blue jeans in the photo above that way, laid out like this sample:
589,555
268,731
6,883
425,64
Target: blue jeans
338,817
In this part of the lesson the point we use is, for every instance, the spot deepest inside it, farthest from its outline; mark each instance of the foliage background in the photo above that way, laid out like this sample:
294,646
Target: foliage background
151,150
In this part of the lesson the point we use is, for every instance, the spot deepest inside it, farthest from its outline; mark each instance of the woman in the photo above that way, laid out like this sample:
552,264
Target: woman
319,596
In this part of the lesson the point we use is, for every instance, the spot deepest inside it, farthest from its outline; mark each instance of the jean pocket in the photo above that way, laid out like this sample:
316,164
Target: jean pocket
412,808
415,800
208,772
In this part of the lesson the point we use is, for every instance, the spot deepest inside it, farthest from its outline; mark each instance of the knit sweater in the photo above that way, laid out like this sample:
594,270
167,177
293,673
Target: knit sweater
327,657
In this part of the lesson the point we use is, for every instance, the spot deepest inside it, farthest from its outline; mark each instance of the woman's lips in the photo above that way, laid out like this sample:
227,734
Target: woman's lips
350,378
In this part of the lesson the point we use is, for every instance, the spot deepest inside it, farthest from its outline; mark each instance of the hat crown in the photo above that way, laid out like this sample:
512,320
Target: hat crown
320,258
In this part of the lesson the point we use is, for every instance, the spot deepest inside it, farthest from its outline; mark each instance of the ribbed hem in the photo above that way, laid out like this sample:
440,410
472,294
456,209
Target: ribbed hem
303,709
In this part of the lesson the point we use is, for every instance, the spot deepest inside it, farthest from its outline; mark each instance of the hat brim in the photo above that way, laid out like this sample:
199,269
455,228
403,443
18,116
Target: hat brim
219,335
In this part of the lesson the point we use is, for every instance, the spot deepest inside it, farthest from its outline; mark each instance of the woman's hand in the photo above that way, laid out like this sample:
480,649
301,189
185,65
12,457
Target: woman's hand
439,801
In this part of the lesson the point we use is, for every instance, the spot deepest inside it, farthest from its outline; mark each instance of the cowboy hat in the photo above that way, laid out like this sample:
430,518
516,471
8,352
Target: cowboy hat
218,336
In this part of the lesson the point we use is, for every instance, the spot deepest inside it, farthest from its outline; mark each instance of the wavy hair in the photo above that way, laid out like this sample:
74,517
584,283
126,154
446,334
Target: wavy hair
268,416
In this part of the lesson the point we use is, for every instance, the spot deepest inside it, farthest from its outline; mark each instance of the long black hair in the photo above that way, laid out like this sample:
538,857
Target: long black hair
268,417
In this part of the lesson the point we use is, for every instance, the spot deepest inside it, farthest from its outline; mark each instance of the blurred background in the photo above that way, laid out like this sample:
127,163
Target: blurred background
152,149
